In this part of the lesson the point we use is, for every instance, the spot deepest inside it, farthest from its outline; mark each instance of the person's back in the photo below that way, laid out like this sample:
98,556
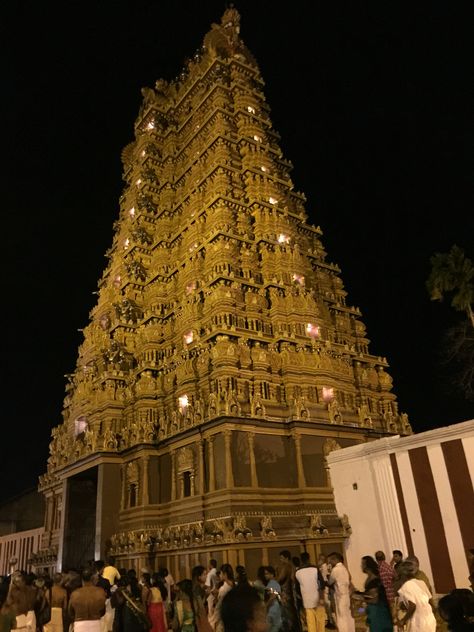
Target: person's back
87,604
58,596
111,573
308,580
243,610
7,615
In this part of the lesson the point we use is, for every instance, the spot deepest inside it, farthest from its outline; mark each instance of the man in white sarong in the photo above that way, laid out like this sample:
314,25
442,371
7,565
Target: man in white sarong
87,605
340,581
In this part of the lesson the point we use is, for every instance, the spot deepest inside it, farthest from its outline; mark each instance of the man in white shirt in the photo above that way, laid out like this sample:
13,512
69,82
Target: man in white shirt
310,584
340,580
211,585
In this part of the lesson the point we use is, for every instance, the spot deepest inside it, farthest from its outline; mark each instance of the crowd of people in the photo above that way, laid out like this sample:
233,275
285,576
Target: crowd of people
298,596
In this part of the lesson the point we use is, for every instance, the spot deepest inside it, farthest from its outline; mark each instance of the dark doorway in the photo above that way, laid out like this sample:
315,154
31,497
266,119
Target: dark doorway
80,519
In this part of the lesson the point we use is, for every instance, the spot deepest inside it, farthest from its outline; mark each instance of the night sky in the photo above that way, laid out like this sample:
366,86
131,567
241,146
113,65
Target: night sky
374,107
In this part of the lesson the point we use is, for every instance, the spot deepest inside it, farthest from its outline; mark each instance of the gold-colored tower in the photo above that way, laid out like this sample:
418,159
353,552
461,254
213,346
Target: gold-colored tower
221,363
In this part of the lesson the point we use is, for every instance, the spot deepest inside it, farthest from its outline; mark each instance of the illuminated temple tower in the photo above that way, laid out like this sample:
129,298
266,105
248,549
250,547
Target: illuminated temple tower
221,363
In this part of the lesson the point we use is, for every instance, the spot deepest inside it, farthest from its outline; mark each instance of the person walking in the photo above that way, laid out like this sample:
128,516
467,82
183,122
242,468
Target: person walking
227,576
87,605
379,618
154,599
416,598
286,579
341,582
59,601
212,581
311,585
324,569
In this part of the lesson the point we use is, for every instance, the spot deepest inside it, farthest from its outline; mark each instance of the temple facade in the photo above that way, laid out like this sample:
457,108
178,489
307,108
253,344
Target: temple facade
221,363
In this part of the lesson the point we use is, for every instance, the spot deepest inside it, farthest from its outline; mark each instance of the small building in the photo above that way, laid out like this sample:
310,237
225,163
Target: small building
21,531
411,493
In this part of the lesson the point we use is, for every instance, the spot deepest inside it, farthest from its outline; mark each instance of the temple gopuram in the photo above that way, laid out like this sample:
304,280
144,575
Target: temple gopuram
221,364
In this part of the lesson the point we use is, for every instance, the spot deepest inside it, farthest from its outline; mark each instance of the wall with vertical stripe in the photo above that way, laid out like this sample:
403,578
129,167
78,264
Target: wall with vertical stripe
20,547
412,493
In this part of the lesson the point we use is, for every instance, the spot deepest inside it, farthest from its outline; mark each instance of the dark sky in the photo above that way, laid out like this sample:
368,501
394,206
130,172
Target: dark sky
374,106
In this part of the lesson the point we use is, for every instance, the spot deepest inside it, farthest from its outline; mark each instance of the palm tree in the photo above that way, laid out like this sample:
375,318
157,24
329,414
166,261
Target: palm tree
453,272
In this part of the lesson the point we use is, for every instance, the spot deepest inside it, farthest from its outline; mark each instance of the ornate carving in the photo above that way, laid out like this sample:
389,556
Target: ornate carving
133,473
185,459
346,527
316,526
267,531
330,445
241,531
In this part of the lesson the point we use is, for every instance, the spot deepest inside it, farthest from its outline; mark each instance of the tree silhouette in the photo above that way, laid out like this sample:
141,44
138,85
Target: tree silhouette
452,274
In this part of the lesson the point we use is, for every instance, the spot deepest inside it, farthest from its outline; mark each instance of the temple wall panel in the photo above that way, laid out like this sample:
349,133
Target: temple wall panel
164,475
275,461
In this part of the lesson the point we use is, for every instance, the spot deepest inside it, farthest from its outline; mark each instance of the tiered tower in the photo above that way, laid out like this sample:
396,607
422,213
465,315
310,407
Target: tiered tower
221,363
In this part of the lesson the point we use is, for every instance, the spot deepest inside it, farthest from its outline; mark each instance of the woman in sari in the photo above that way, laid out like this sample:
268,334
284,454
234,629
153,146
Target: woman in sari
184,619
379,618
154,595
130,614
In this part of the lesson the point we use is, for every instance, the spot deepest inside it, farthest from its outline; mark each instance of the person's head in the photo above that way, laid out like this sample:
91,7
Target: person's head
30,579
369,565
39,582
406,570
261,574
322,559
87,575
18,579
57,579
146,579
241,575
415,561
285,556
100,565
163,571
296,561
379,556
212,563
227,572
304,558
185,588
397,556
269,573
198,575
132,573
243,610
156,578
457,606
111,561
335,558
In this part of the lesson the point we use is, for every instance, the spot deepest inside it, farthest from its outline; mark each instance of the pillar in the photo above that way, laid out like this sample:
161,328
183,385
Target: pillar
201,473
253,465
212,474
299,462
229,477
124,486
173,475
145,494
